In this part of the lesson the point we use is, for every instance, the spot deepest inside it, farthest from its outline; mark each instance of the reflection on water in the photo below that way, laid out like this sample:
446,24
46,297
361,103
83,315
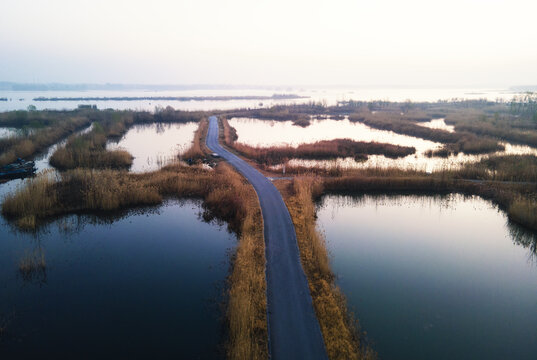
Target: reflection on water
8,132
155,145
277,133
413,162
146,285
267,133
449,278
19,100
439,124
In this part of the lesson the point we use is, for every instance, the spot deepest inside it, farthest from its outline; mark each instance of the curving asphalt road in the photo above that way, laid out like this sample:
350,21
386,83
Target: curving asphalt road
294,331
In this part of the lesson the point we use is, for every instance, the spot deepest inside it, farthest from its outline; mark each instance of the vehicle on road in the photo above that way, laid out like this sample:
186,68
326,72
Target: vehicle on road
18,169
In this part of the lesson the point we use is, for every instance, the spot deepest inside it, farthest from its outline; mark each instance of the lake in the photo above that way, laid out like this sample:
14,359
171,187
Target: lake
265,133
146,285
155,145
20,100
435,277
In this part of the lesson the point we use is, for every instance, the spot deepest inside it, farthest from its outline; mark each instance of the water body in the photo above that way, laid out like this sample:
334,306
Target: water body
267,133
449,278
155,145
6,132
147,285
417,161
439,124
20,100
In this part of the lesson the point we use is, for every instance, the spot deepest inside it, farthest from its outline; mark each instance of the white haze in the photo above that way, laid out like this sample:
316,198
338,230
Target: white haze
264,42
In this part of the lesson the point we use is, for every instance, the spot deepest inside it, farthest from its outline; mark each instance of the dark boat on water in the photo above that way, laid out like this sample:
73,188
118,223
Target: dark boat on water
18,169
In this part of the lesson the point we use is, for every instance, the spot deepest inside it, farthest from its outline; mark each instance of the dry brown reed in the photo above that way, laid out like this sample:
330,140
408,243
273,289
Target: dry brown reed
89,150
198,150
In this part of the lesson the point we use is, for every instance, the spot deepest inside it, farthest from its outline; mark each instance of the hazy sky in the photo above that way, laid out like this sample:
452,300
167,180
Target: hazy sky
390,42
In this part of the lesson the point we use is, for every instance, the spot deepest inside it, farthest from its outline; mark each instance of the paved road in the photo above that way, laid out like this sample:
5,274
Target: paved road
294,331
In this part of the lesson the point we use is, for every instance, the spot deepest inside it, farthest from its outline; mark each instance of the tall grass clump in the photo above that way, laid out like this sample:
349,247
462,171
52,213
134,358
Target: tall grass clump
198,150
524,211
515,168
37,198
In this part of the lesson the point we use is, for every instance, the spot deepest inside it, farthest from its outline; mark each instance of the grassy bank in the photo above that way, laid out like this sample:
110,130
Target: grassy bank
322,150
504,124
515,168
340,329
198,150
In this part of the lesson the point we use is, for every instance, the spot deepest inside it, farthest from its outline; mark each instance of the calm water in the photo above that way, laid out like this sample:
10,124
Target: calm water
266,133
155,145
417,161
19,100
8,132
435,277
439,124
147,285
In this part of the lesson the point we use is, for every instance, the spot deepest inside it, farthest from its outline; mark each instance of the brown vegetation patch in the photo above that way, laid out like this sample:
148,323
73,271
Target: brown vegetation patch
89,150
198,150
321,150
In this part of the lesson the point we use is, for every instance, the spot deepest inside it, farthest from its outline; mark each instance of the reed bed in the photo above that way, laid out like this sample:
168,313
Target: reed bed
513,168
322,150
198,150
502,125
456,142
89,150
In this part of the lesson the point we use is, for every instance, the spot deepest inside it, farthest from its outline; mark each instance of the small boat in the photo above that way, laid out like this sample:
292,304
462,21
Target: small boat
19,168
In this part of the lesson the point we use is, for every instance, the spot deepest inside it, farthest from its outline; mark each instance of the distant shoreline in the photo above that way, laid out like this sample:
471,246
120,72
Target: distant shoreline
174,98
